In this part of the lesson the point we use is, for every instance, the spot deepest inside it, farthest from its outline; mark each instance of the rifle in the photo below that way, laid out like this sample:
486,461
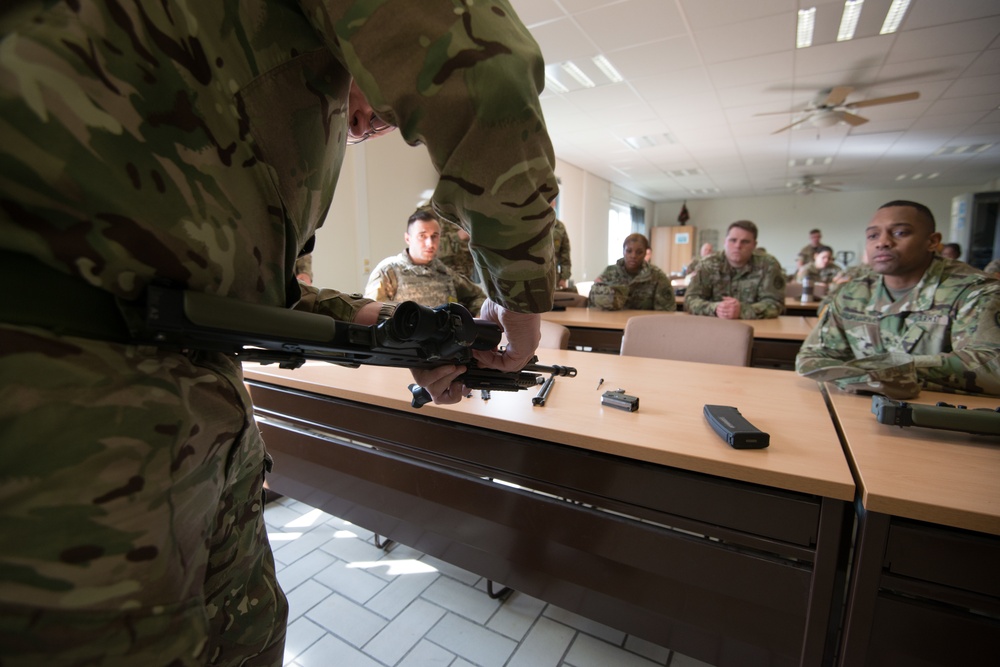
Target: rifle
978,421
414,336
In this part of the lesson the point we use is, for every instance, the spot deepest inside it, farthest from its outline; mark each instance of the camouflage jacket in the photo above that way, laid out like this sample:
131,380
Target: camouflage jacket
806,254
949,323
399,279
824,275
199,143
759,286
560,245
650,289
454,252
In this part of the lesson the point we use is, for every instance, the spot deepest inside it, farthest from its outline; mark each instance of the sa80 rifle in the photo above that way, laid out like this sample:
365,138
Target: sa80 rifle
414,336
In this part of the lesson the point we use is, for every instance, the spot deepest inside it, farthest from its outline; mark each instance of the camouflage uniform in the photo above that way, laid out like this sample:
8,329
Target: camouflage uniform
948,323
824,275
454,252
616,289
304,265
199,143
806,254
560,245
397,279
759,286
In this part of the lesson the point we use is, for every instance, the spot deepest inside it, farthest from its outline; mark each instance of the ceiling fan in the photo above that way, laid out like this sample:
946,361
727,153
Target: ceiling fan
831,107
806,185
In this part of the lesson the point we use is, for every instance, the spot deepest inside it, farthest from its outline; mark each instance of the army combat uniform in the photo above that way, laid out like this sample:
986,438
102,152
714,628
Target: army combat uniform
948,323
432,284
759,286
824,275
453,251
560,246
198,144
616,289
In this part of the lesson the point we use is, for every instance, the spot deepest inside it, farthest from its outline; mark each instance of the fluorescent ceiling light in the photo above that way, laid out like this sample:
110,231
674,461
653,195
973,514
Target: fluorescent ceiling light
554,84
894,16
609,70
578,74
849,20
804,33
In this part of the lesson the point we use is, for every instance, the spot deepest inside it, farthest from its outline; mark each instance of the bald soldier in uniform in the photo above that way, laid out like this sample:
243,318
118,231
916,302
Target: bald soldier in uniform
416,274
197,144
941,316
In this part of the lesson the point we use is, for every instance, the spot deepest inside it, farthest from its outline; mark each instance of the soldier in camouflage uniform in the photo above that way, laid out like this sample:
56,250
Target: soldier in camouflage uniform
737,283
821,269
942,318
417,275
632,283
198,144
454,251
560,245
808,251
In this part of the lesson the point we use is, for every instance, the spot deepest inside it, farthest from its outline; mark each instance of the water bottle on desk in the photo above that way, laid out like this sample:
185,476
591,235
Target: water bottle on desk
807,289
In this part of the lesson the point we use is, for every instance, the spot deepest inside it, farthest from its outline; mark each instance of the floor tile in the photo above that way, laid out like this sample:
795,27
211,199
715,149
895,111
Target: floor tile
346,619
516,616
588,651
680,660
545,644
400,592
582,624
467,602
293,574
654,652
301,634
404,632
470,641
306,596
332,652
351,548
352,582
426,654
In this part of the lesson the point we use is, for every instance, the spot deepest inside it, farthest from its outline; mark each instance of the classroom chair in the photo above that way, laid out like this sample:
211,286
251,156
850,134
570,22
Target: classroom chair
685,337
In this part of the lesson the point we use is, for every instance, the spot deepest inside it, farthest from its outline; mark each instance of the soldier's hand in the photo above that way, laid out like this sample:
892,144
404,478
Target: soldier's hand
728,308
523,332
440,383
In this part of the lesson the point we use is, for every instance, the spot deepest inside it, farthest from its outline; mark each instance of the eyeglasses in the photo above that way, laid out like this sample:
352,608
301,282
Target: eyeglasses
376,126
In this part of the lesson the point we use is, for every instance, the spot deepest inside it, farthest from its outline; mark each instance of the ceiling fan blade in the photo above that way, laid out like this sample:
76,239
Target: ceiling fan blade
837,96
905,97
779,113
851,119
788,127
825,187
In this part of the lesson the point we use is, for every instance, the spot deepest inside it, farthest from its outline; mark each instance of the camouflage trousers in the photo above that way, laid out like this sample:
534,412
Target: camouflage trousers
130,509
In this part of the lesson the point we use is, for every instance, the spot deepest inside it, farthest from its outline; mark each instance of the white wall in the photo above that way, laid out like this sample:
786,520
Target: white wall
784,221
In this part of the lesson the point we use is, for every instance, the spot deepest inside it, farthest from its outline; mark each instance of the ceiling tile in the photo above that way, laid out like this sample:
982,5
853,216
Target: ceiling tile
857,55
562,40
774,68
631,22
944,40
532,12
751,38
926,13
655,57
703,14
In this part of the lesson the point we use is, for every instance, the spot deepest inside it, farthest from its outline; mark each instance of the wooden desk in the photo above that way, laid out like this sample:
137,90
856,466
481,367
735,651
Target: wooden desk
795,306
926,582
776,341
644,521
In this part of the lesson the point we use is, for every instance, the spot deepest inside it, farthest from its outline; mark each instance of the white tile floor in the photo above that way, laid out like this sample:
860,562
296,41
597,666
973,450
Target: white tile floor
353,605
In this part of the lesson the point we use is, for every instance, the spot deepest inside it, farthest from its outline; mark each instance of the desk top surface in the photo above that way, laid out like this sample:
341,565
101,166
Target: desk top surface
669,428
943,477
785,327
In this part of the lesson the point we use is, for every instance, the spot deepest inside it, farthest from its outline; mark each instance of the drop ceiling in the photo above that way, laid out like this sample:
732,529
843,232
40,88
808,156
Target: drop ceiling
683,123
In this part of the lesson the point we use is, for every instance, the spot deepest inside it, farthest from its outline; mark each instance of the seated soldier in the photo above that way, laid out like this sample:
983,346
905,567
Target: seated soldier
918,315
738,283
417,275
821,268
632,283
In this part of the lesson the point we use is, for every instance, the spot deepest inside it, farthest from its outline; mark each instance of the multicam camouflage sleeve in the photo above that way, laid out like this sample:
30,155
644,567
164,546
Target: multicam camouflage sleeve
471,96
769,300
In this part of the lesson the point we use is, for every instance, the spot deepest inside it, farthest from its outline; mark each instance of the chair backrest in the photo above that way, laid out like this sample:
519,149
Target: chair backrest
684,337
554,336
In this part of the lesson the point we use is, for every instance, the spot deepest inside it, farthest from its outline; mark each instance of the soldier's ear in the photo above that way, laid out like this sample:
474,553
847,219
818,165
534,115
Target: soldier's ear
934,240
